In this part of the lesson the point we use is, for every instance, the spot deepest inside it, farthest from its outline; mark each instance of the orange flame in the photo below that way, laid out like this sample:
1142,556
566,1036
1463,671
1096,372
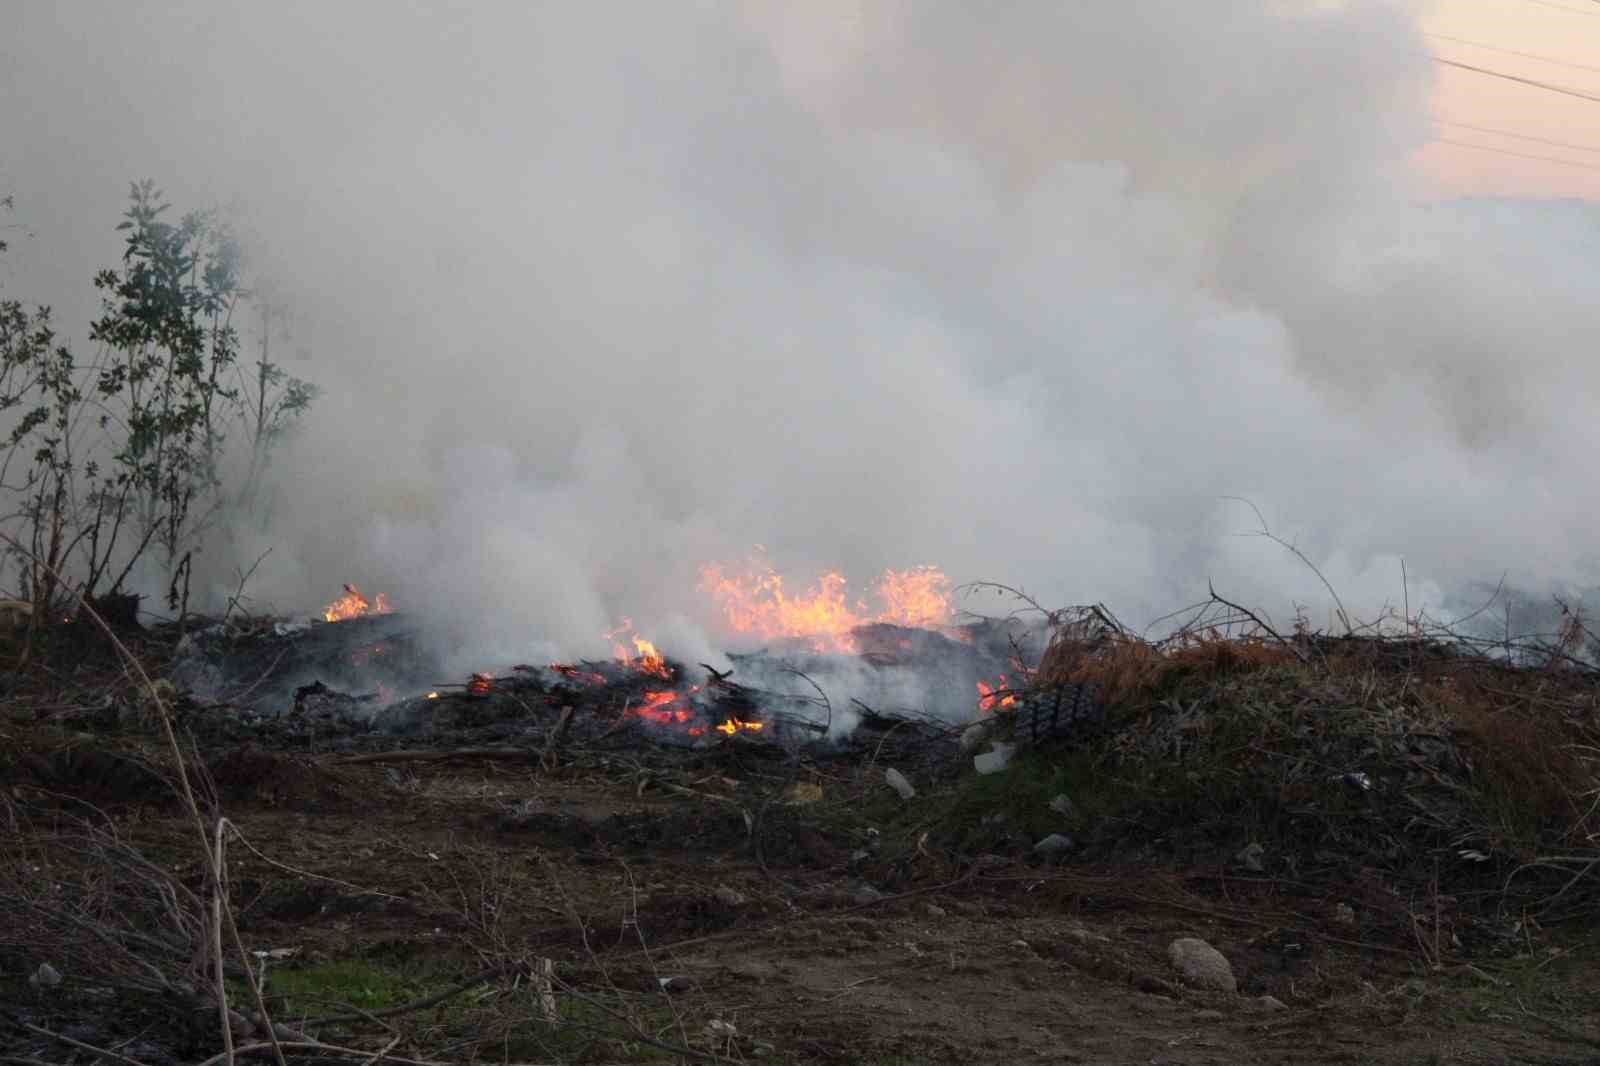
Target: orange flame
644,657
353,605
992,697
754,601
649,661
480,685
917,597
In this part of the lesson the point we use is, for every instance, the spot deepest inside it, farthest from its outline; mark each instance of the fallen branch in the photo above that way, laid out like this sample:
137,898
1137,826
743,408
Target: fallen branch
423,755
81,1046
547,758
1299,653
217,878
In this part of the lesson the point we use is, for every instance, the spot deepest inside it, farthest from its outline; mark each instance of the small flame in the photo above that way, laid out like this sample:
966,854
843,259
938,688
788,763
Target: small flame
996,696
354,605
644,658
480,685
649,661
734,725
433,695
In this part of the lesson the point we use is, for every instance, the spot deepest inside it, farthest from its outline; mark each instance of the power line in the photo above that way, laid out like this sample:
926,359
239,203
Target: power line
1519,155
1520,136
1564,7
1548,87
1514,52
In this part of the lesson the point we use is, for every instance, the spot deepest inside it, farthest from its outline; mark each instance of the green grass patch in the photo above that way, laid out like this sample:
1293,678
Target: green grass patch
330,987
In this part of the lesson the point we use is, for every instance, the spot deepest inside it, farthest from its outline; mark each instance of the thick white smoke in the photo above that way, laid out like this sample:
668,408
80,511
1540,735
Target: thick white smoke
599,292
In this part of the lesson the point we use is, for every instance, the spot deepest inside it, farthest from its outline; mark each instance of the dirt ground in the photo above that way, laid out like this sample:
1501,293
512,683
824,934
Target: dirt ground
741,909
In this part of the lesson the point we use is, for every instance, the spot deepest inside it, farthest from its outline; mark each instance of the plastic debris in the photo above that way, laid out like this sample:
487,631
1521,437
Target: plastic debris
992,762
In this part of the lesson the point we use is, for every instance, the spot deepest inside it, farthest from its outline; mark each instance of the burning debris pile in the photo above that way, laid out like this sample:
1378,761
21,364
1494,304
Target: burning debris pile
357,657
829,665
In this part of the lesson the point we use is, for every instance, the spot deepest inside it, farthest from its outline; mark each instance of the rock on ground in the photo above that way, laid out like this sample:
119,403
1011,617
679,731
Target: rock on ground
1201,964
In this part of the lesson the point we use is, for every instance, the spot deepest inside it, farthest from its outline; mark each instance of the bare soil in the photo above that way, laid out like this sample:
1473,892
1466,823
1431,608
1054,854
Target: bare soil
703,907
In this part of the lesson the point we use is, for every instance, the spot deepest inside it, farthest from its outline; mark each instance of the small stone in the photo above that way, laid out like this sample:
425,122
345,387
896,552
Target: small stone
1201,964
1250,857
1344,914
731,896
898,782
935,911
1064,806
1209,1015
1272,1003
1054,847
46,976
863,894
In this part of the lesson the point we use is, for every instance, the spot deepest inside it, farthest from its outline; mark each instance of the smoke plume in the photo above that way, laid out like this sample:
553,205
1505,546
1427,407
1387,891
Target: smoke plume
597,293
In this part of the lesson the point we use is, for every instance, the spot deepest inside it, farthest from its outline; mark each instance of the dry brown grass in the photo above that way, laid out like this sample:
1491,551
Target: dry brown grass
1534,742
1127,670
1466,753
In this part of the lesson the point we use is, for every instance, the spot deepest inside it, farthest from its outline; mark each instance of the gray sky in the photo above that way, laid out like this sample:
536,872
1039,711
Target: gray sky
599,292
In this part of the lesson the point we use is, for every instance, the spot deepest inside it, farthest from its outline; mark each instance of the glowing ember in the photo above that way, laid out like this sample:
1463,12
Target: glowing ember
354,605
663,709
993,697
433,695
754,601
735,725
480,685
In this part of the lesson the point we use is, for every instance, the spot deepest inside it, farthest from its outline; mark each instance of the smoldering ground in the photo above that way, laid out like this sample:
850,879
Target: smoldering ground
597,293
